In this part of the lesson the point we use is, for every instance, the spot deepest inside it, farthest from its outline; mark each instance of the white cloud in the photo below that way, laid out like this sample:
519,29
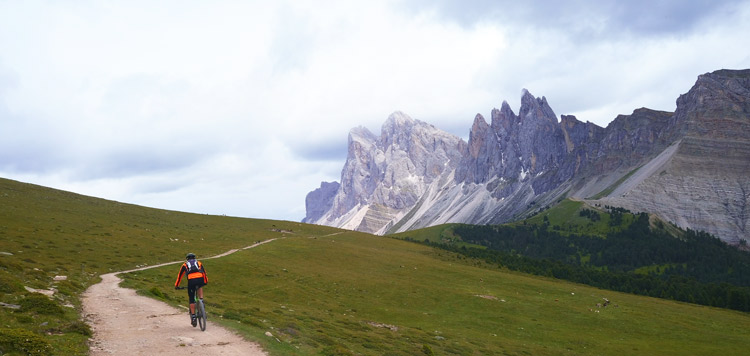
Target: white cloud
242,108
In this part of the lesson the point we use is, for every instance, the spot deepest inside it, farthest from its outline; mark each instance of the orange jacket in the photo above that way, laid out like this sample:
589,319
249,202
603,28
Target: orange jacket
184,270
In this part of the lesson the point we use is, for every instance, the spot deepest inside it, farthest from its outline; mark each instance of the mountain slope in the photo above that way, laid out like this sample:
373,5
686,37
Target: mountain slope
319,290
702,181
610,248
47,233
387,175
688,166
357,294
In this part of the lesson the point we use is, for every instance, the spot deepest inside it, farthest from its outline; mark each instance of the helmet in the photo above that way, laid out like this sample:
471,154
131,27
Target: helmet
190,256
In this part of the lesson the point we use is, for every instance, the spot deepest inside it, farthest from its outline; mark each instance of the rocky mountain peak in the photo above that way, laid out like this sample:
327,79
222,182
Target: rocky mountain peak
533,108
503,120
387,173
477,135
398,118
701,180
716,104
320,201
714,88
571,131
689,167
568,122
396,126
506,110
361,134
479,122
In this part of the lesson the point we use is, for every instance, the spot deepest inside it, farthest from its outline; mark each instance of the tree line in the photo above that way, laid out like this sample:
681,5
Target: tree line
696,267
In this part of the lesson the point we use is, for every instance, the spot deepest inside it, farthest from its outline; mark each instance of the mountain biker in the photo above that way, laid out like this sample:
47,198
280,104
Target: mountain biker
196,276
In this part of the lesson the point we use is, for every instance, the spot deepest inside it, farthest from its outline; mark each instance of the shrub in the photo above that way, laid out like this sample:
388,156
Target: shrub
40,304
79,327
23,318
36,274
9,284
232,315
68,287
252,322
8,265
23,341
155,291
336,350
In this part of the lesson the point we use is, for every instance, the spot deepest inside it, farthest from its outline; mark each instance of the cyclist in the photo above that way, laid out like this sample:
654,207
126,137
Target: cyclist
196,276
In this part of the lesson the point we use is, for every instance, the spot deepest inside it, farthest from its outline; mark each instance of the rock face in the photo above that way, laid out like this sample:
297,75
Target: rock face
703,181
690,166
385,176
320,200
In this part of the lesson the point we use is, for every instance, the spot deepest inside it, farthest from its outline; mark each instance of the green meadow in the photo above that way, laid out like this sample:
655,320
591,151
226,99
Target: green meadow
46,233
565,217
318,290
356,294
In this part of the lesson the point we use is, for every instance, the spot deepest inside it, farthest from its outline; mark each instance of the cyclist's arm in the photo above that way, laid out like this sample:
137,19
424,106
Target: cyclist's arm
179,276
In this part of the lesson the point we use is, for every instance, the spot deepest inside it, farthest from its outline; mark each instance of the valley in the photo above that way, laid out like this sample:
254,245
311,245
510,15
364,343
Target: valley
320,290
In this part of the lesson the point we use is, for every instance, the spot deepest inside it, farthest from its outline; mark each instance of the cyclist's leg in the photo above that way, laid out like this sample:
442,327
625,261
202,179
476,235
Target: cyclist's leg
191,296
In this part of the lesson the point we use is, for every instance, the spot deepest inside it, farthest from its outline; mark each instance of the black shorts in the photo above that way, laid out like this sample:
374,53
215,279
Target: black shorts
193,285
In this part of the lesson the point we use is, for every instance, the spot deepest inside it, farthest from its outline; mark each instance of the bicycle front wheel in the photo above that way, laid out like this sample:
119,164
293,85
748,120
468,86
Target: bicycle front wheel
201,315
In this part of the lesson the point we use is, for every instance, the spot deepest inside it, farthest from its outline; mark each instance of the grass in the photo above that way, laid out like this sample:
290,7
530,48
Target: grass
614,186
658,269
364,295
318,293
45,233
565,218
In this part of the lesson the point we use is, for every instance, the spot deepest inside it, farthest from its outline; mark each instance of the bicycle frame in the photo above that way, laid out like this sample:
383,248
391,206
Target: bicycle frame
200,307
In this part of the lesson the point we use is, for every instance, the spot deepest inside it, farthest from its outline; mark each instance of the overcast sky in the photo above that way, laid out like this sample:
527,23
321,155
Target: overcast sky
243,107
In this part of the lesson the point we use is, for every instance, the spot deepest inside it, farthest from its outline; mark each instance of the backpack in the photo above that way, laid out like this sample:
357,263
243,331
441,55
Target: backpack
192,266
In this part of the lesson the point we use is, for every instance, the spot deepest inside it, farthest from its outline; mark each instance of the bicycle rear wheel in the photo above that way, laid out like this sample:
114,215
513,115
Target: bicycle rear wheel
201,314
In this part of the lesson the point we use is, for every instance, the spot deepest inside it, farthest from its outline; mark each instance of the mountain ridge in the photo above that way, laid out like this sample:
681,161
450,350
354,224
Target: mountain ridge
515,164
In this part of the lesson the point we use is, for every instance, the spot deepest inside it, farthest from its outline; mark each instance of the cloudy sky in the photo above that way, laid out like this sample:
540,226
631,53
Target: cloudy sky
243,107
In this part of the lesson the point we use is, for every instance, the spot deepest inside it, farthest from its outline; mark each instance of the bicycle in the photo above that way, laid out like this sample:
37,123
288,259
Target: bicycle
200,309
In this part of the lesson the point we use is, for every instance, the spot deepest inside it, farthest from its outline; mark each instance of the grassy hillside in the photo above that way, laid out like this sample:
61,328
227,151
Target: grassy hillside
608,248
355,294
566,218
320,290
46,233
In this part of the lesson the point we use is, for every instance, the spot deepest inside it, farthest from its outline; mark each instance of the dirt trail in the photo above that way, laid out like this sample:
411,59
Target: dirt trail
125,323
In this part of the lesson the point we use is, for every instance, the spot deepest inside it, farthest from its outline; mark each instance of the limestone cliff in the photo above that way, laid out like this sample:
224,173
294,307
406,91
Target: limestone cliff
385,176
703,181
690,167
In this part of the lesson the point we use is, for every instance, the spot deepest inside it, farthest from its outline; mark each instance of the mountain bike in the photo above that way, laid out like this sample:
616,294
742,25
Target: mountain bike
200,309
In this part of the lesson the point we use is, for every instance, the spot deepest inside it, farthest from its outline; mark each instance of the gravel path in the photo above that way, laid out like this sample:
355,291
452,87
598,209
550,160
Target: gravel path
125,323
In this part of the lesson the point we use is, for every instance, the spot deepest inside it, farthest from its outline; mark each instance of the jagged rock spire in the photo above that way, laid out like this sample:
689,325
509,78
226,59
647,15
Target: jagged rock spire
690,166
